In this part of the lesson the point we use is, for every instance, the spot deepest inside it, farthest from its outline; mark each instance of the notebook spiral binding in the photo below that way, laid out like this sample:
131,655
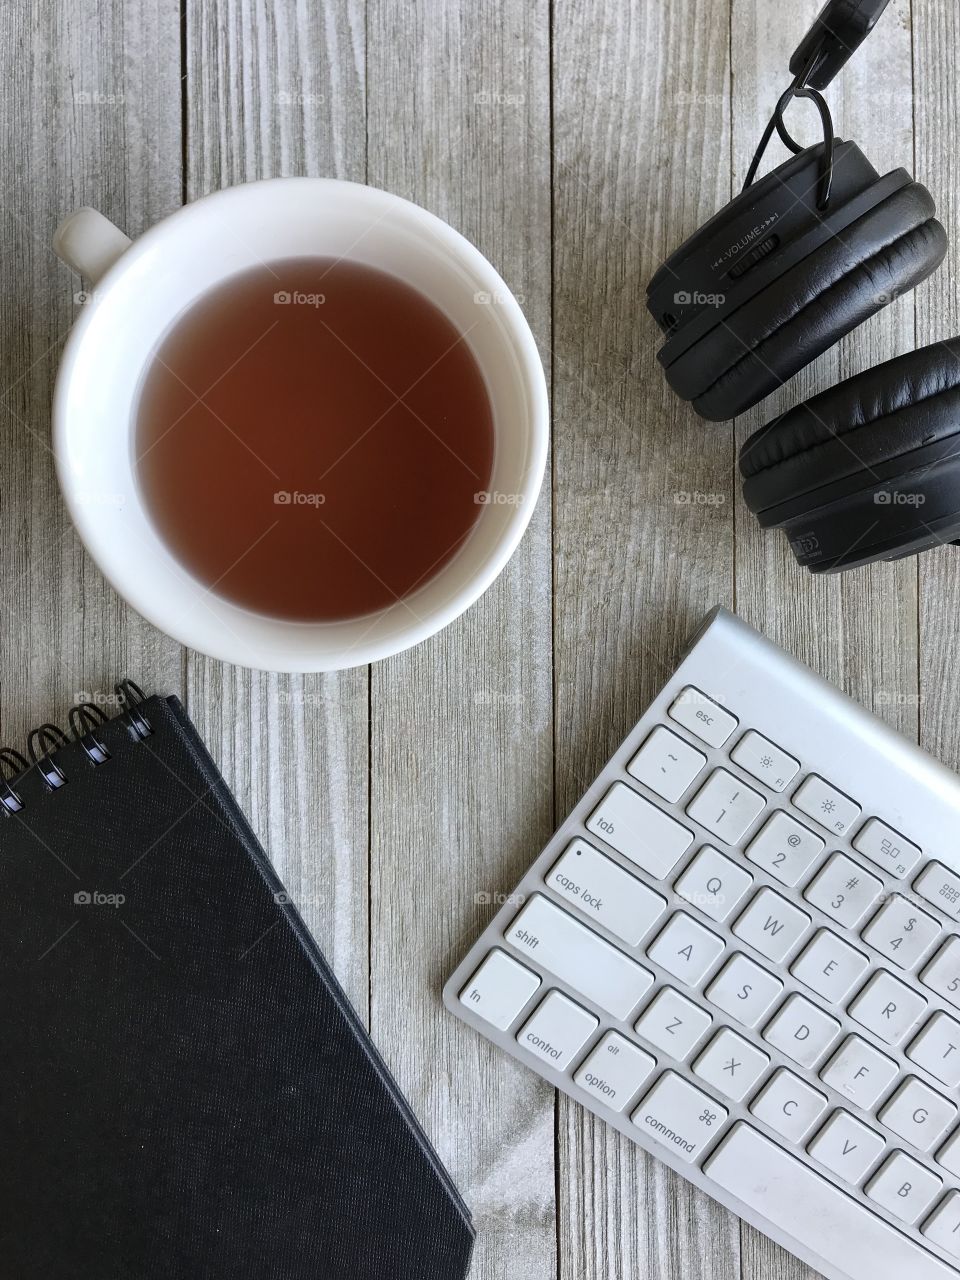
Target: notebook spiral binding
84,719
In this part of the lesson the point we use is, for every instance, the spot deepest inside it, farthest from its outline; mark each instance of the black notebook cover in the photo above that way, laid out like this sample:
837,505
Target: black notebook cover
185,1091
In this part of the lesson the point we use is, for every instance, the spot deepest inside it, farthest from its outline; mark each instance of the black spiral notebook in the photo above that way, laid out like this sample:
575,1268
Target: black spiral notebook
185,1091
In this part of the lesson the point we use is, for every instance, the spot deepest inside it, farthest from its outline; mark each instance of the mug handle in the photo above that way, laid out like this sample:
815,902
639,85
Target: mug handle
89,243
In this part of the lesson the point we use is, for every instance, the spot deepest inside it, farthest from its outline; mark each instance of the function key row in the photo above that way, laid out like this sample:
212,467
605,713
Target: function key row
770,764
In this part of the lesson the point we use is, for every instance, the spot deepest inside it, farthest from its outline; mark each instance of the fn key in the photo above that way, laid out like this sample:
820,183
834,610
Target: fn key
499,989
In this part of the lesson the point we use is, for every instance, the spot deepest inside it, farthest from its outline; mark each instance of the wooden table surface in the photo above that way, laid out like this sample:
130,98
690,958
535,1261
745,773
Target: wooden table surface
576,142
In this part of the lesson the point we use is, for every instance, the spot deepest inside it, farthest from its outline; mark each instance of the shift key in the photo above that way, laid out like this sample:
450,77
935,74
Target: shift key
639,830
576,955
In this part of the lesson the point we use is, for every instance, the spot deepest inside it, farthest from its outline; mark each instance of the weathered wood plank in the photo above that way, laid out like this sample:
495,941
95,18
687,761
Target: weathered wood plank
644,513
461,771
859,629
464,783
936,48
91,117
274,90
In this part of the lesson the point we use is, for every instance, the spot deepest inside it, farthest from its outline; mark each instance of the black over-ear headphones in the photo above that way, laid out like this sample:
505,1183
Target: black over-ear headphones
869,469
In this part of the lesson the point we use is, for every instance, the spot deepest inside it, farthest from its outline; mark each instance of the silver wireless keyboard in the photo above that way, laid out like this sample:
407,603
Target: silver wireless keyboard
741,949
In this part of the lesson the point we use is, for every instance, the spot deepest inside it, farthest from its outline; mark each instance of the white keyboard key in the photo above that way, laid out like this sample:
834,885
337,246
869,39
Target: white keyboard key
499,989
595,885
744,990
698,713
680,1116
887,1007
828,966
887,848
828,806
949,1154
805,1206
731,1064
940,887
901,931
942,974
785,848
579,957
714,883
917,1113
860,1072
685,948
788,1104
904,1186
639,830
943,1225
843,890
801,1030
759,757
557,1031
725,806
846,1147
614,1071
666,764
673,1023
937,1049
771,924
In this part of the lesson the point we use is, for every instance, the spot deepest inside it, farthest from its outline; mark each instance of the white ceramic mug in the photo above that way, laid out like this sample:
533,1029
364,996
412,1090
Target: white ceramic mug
136,290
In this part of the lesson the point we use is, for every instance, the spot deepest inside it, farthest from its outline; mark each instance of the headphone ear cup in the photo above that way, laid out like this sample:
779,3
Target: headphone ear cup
868,469
886,252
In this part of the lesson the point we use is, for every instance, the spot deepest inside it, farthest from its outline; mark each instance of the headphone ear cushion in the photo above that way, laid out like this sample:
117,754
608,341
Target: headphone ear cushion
861,423
887,251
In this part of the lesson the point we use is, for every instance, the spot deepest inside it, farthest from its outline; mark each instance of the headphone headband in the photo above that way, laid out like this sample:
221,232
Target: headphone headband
839,30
